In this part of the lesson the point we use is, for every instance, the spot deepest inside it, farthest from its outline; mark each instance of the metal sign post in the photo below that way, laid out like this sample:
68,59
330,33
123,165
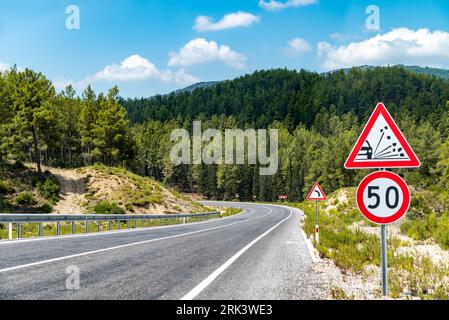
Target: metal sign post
317,226
383,198
384,262
384,256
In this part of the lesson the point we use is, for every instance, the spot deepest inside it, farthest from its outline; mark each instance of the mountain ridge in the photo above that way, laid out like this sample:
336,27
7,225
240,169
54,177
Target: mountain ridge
430,71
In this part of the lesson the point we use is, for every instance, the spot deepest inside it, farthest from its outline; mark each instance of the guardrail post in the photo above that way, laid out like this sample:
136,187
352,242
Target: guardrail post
135,224
143,222
10,231
127,224
109,225
58,229
40,230
19,230
183,220
87,226
99,227
73,227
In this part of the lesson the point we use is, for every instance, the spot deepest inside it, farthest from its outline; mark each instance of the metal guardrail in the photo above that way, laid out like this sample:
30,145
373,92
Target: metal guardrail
167,219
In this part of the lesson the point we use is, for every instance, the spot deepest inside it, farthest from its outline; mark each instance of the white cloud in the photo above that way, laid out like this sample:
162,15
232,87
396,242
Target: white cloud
229,21
399,46
133,68
275,5
323,47
199,51
298,46
3,66
336,36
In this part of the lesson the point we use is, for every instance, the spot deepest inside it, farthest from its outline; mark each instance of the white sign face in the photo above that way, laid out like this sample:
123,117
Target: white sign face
383,197
382,144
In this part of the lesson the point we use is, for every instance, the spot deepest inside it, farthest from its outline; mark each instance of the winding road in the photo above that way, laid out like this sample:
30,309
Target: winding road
256,255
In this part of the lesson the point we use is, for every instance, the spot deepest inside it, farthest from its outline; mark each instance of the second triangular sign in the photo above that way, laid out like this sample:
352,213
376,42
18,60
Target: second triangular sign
382,145
316,193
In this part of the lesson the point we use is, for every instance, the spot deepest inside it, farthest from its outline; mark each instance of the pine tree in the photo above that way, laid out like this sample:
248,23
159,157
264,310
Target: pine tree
112,138
33,111
88,118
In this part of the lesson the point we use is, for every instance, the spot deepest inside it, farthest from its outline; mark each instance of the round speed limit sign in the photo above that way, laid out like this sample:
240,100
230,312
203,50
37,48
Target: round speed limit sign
383,197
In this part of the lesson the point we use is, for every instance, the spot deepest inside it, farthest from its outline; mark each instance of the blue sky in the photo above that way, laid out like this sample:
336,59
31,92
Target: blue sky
149,47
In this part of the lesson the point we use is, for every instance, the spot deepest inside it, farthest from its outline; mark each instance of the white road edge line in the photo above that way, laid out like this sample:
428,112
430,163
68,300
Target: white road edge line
310,248
313,253
206,282
125,245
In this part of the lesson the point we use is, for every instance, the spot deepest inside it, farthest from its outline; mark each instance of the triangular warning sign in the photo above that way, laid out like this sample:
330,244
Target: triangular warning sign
382,145
316,193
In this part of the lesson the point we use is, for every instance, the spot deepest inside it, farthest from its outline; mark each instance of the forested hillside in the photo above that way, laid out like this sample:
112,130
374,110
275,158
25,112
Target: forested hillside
298,97
319,117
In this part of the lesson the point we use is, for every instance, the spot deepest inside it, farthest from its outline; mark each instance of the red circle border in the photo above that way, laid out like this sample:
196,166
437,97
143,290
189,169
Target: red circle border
388,175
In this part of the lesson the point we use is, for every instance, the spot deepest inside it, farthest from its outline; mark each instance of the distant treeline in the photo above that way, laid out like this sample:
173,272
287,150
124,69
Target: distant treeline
297,98
319,117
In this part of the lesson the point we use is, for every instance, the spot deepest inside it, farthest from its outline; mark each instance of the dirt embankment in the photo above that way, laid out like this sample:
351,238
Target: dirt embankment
73,188
82,189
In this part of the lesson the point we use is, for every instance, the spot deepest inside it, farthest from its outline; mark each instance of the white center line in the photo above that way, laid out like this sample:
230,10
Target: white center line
206,282
125,245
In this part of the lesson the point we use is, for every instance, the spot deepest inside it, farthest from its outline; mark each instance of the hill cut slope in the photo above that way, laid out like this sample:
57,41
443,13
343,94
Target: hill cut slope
94,189
84,190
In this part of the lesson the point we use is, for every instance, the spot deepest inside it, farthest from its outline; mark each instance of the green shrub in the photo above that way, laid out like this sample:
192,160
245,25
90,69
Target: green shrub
431,226
5,187
25,199
4,204
141,202
49,189
156,199
105,207
129,207
46,208
442,231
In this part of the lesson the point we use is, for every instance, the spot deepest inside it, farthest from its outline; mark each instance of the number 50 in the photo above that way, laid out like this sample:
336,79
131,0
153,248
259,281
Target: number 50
373,192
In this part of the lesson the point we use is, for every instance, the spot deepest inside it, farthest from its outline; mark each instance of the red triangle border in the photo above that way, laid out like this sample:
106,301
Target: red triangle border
309,197
413,162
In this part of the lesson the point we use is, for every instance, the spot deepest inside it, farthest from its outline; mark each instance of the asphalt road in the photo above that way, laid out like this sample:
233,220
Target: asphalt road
259,254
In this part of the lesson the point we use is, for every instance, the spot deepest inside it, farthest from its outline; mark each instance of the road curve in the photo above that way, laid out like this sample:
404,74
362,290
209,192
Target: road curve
259,254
